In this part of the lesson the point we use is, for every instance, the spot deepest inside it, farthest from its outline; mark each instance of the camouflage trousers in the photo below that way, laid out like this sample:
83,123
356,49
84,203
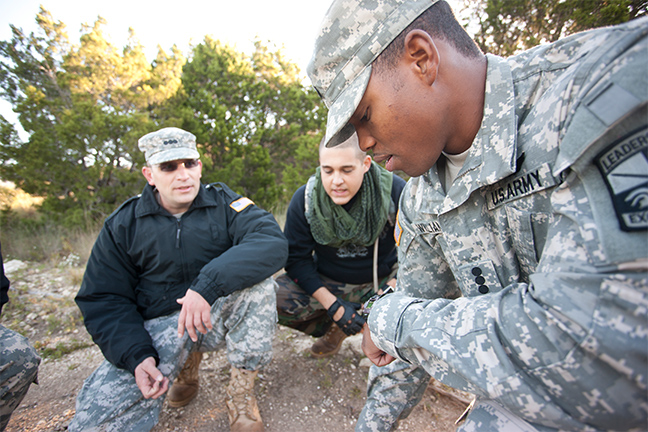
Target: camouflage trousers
394,390
299,310
18,369
392,393
489,416
244,323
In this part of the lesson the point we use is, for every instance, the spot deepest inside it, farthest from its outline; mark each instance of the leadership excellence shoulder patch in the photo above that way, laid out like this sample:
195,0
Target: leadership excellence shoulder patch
624,166
241,203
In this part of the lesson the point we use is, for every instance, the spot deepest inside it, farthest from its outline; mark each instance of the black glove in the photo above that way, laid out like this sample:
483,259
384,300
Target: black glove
351,322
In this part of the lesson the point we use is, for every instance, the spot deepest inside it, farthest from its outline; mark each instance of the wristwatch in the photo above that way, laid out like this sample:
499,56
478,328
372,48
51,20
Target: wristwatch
366,307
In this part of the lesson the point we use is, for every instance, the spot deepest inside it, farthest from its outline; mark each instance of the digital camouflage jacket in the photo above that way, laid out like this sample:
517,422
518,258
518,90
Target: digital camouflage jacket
543,236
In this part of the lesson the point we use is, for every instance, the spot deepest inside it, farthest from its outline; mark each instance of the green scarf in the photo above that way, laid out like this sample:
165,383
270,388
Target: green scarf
334,226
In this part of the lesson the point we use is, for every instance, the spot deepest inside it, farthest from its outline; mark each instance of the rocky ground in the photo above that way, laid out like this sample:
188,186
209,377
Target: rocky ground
296,392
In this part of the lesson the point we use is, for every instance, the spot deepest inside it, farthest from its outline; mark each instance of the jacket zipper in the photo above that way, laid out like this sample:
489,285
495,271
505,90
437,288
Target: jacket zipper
177,243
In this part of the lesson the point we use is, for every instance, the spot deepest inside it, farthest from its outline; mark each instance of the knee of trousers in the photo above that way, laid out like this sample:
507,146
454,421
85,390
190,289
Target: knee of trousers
258,300
18,356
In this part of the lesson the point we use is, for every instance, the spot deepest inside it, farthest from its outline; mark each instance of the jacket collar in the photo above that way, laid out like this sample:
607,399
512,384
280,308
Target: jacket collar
149,205
493,152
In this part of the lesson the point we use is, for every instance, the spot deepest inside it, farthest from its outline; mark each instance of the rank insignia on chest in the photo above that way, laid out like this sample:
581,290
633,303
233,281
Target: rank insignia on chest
624,166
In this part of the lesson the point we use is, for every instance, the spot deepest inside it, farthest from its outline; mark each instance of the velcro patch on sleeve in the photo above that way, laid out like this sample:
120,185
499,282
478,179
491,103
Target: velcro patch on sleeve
241,203
624,166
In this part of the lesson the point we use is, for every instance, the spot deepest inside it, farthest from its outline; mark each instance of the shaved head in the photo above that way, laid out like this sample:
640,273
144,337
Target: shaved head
351,143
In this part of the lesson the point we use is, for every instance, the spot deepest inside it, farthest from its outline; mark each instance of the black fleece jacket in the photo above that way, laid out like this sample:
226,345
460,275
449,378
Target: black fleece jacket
145,258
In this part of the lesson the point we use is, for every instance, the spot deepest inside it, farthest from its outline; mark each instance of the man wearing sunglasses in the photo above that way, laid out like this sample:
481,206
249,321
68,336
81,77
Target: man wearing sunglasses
175,273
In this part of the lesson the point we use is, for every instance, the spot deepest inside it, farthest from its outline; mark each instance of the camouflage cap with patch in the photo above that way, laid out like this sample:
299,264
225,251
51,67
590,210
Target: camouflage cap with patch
168,144
352,35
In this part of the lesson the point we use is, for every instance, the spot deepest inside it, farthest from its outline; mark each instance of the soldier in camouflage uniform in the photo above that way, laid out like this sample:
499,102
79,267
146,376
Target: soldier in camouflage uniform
18,362
175,273
529,202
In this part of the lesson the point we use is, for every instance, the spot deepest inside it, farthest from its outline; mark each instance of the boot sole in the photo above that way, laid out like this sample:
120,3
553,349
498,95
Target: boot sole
327,353
182,402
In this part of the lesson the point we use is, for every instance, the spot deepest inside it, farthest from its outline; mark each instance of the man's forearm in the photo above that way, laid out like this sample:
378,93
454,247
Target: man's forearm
325,297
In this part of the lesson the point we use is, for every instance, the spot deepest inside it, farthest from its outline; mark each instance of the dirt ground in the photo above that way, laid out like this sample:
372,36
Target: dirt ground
296,392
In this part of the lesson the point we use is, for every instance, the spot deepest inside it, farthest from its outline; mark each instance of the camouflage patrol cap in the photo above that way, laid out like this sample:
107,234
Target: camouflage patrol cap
168,144
352,35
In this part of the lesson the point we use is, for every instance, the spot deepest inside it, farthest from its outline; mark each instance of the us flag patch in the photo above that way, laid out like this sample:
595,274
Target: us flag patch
240,204
398,230
624,166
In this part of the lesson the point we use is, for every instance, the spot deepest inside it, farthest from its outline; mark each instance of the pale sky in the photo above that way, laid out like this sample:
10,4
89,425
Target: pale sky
291,23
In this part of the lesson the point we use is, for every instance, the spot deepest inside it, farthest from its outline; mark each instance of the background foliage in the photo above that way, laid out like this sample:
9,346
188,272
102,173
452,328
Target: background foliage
84,104
505,27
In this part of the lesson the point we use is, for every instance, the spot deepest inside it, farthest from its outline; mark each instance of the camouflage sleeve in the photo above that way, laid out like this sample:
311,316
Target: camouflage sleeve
428,333
572,340
566,347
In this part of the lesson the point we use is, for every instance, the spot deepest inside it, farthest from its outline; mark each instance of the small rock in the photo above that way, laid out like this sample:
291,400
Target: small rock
365,362
13,265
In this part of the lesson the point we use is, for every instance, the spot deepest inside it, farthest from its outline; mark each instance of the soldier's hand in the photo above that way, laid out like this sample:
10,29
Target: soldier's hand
350,321
373,353
150,380
195,315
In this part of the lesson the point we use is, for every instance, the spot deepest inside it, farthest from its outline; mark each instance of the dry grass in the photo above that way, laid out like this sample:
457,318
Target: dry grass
17,201
46,243
25,234
28,236
279,212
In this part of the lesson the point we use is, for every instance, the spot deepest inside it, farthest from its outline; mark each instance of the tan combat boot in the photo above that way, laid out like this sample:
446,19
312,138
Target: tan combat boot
185,387
330,343
242,408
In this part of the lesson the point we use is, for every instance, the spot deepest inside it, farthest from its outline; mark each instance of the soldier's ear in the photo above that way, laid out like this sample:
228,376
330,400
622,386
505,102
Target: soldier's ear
422,55
148,174
366,163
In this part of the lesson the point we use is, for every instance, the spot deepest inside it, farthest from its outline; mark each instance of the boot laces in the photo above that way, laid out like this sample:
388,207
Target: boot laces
240,393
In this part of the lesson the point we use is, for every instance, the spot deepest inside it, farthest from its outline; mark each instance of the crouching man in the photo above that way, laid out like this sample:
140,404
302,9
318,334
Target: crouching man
174,273
334,224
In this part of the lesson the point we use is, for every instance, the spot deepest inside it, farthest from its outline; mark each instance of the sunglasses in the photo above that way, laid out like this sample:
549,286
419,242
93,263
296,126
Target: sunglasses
168,167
